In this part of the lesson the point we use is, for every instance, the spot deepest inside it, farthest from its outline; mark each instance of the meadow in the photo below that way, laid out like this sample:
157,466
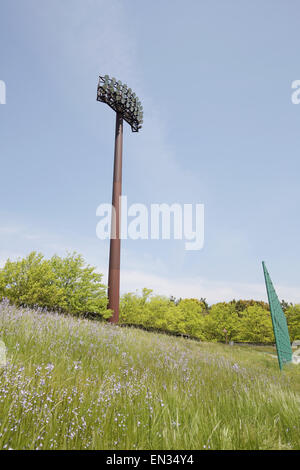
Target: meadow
72,383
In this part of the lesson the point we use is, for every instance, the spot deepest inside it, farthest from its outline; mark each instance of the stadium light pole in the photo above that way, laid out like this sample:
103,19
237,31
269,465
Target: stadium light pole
128,108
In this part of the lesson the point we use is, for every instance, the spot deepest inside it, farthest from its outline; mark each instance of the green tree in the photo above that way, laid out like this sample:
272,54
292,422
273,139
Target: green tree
30,282
190,317
82,286
285,305
293,320
255,325
64,284
221,323
241,305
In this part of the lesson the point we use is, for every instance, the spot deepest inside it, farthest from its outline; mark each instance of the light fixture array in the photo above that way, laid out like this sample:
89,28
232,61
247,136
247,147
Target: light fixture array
122,100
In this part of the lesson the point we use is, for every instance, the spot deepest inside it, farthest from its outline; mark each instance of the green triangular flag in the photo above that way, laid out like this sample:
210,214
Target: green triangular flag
281,332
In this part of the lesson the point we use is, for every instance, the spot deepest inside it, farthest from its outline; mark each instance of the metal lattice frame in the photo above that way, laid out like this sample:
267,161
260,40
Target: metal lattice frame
122,100
280,328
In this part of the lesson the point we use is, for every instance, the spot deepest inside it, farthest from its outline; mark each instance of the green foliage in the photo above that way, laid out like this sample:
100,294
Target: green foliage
154,313
70,286
158,312
191,314
221,323
285,305
241,305
239,321
64,284
30,281
82,286
255,325
293,320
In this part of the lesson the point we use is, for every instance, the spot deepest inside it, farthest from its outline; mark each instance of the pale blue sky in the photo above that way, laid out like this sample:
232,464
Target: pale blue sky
219,129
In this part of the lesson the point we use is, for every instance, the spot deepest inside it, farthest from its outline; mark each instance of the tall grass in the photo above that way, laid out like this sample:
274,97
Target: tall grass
78,384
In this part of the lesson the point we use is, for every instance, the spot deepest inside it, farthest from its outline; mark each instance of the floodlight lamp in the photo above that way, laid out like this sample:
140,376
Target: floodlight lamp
121,99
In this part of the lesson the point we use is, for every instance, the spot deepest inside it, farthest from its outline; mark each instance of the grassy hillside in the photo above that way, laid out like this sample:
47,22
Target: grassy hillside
79,384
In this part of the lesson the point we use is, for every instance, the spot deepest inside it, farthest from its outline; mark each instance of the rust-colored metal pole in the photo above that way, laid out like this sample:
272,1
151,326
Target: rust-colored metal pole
115,241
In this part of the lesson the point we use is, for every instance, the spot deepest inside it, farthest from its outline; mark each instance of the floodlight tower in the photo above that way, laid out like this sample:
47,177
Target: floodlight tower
127,107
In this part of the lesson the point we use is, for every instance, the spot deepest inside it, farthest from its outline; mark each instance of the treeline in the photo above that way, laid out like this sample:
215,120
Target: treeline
70,286
239,321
